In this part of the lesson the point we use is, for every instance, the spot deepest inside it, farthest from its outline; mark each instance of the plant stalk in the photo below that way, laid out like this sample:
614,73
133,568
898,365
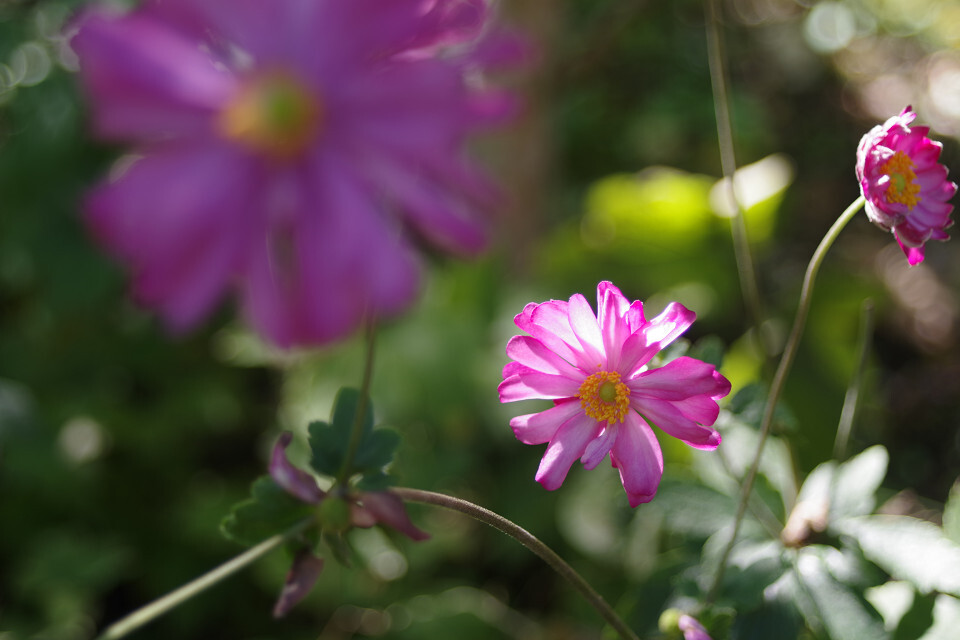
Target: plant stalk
528,540
780,378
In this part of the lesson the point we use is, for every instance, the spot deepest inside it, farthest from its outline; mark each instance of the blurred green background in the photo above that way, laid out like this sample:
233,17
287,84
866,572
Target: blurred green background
122,447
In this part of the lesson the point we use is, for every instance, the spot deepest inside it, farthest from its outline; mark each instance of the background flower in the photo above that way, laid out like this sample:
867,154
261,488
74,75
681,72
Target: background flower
595,369
295,150
905,188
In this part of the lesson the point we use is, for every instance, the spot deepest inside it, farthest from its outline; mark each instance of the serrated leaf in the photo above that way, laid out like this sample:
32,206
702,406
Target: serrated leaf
856,482
329,442
908,549
842,611
269,511
951,515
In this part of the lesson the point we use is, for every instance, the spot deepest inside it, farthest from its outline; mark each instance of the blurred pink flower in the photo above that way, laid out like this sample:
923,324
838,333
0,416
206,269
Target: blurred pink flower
605,396
692,629
905,188
295,150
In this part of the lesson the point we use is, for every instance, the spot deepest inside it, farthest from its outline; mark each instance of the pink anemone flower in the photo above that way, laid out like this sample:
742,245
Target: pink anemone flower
295,151
596,370
905,188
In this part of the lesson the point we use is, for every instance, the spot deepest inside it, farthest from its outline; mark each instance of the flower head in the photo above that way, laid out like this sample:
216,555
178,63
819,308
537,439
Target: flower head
340,512
293,150
905,188
596,370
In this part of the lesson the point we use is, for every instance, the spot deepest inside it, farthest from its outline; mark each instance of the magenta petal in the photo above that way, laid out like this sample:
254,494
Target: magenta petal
668,326
678,379
549,323
534,354
599,447
538,428
530,384
294,481
302,576
184,242
567,445
692,629
670,418
636,455
585,327
387,509
612,308
146,80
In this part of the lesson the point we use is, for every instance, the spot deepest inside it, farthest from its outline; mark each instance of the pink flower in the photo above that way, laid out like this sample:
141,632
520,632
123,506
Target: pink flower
692,629
905,188
293,150
605,394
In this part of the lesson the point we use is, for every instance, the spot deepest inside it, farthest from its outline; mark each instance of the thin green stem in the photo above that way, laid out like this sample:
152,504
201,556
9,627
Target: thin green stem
157,608
531,542
852,398
728,164
780,377
356,430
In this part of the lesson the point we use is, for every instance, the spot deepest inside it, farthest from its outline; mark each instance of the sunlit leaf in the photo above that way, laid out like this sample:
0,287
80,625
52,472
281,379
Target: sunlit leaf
909,549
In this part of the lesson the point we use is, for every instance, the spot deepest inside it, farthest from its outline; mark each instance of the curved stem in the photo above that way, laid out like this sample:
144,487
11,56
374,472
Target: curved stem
157,608
528,540
728,163
356,430
780,377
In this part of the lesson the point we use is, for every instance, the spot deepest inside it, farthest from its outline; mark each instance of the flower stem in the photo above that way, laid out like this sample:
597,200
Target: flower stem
356,430
528,540
780,377
851,399
728,164
157,608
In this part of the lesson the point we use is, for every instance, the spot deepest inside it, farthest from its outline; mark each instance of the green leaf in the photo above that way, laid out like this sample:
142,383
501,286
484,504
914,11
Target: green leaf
775,619
748,405
710,349
946,619
329,442
856,482
841,610
695,510
908,549
917,619
951,515
269,511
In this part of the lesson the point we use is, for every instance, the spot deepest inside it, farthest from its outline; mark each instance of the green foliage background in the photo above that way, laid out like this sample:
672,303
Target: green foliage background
122,447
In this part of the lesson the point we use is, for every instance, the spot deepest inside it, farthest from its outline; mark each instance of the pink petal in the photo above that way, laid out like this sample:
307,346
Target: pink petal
302,576
612,308
549,322
538,428
147,81
534,354
668,326
671,418
181,217
567,445
529,384
388,509
678,379
599,447
585,327
636,455
636,352
293,480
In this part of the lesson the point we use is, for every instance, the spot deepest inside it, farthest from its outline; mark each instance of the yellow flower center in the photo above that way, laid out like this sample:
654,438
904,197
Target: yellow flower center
274,114
604,398
903,188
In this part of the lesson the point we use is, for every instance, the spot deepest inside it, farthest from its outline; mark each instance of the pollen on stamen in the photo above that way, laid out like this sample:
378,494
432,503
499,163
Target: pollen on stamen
903,187
604,397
